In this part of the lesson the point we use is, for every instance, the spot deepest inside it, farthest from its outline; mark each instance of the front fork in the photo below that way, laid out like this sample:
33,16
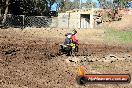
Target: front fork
75,49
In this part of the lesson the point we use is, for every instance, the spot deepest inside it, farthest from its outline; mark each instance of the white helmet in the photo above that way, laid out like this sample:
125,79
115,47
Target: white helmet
68,36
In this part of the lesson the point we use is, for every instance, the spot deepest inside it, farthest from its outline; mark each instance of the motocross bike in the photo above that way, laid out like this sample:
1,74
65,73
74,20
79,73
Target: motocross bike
70,50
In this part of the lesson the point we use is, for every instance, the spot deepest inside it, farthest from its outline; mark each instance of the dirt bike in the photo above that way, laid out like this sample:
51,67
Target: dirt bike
70,50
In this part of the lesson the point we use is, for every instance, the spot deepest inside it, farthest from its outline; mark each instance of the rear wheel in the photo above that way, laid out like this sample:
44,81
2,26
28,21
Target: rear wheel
75,51
60,50
81,80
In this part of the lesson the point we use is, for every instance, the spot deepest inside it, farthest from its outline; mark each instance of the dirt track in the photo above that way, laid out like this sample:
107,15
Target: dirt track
30,61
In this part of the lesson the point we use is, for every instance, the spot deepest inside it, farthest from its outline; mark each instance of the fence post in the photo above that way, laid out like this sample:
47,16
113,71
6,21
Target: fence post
23,23
0,12
6,11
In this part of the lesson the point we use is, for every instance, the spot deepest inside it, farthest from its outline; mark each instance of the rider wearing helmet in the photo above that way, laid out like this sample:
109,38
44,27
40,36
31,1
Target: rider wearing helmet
74,40
67,46
70,43
67,40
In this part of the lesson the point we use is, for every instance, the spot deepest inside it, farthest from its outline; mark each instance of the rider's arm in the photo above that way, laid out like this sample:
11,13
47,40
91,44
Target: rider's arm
74,39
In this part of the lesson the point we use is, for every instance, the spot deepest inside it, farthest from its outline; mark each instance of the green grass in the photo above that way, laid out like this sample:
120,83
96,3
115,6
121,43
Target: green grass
113,35
102,66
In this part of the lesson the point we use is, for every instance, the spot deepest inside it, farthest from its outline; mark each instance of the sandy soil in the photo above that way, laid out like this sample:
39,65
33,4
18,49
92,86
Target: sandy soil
124,24
28,59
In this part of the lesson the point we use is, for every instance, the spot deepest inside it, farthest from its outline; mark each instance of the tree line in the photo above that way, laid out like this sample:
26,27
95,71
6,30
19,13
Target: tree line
25,7
114,3
40,7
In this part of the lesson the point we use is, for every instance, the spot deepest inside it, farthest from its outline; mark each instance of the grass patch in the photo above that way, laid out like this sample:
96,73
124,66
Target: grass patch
102,66
114,35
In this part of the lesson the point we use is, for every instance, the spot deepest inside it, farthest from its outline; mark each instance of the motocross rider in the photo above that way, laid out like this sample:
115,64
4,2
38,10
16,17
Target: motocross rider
71,40
74,40
67,43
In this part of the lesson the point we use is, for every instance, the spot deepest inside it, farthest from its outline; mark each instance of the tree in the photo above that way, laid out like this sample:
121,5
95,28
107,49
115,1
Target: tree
89,4
6,11
68,5
62,5
121,3
36,7
71,5
105,3
41,7
101,3
0,7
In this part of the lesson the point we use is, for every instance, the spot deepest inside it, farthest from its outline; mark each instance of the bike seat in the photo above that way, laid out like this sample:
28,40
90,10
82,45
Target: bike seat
63,45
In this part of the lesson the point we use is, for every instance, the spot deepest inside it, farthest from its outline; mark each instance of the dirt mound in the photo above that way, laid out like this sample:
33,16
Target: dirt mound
34,66
124,24
31,61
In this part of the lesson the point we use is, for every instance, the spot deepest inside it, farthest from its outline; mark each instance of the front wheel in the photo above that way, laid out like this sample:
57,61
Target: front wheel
81,80
75,51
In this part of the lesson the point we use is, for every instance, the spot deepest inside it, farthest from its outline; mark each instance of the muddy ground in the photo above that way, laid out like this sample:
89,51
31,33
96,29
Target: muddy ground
28,59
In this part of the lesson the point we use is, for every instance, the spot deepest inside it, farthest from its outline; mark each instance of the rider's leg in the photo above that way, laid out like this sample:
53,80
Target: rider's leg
76,49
